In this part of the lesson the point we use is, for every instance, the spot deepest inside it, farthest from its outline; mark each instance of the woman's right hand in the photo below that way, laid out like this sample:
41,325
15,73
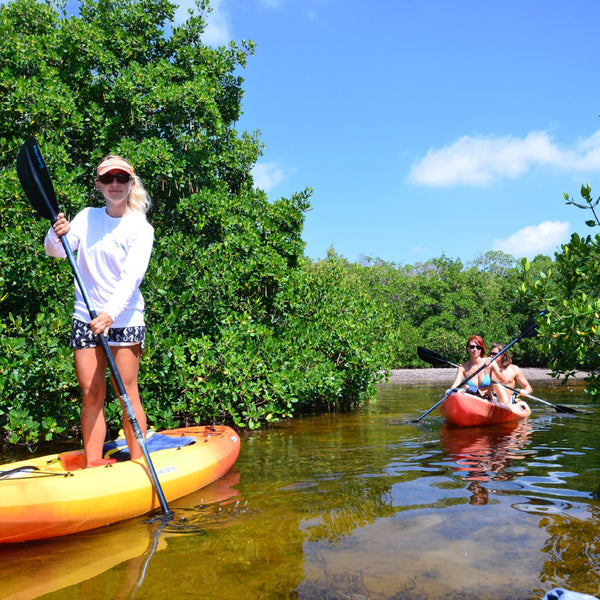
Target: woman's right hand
61,226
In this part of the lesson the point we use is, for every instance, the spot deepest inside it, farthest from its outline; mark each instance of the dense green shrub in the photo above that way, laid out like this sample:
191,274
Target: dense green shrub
238,329
241,326
440,303
570,289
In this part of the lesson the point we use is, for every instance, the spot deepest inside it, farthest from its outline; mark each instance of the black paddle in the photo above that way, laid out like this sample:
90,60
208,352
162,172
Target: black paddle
38,187
529,330
435,359
561,408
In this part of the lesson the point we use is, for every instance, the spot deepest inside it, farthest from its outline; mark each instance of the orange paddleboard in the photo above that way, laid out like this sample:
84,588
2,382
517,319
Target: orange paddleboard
52,496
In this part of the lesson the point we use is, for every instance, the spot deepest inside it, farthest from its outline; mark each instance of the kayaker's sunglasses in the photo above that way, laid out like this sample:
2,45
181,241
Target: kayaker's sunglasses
493,354
474,347
120,177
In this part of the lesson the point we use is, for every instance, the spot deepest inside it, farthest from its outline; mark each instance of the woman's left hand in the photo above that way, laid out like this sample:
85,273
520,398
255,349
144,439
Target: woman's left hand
101,324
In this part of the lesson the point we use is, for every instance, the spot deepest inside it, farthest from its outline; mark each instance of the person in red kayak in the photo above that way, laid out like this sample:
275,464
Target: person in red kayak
478,372
509,373
113,245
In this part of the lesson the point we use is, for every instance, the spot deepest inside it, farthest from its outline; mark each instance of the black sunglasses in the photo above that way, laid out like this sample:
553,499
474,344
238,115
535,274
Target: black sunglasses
473,346
493,354
120,177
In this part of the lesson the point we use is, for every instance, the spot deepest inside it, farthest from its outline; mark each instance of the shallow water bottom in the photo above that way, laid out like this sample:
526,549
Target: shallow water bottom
430,556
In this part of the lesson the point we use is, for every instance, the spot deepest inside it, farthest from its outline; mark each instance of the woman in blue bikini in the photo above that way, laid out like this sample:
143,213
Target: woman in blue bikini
480,380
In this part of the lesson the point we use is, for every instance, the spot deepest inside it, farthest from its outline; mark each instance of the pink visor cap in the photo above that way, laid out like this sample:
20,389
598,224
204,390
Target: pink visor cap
115,164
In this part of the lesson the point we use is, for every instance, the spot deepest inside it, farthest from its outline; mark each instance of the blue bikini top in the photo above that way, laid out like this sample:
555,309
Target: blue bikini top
487,381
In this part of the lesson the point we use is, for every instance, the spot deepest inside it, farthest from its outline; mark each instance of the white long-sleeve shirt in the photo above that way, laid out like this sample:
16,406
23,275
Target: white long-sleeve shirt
112,255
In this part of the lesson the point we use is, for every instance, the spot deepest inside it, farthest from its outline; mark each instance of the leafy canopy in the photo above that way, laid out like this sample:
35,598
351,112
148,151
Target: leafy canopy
238,330
570,289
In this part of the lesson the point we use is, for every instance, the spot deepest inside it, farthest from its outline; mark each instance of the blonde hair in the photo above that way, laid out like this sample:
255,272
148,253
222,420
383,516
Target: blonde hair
138,199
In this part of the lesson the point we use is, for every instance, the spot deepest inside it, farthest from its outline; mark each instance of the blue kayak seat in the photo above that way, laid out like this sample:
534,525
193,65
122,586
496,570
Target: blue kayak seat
154,442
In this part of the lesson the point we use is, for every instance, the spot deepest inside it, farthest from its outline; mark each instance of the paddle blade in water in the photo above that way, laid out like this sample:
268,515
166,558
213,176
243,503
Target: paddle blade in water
35,179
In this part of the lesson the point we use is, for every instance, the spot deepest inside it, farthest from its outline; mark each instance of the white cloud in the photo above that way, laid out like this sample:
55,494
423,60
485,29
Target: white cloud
218,21
268,175
480,160
532,240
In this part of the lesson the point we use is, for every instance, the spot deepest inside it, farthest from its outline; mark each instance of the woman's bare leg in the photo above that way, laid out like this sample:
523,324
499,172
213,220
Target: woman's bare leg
128,363
90,367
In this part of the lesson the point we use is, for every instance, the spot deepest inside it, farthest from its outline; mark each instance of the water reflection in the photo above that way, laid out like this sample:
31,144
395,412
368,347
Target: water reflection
30,570
483,454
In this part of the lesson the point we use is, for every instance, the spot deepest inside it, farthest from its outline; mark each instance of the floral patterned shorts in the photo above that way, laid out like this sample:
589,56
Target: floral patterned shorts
83,337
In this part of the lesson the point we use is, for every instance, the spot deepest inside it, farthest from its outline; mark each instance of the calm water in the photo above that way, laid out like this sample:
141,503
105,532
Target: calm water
356,507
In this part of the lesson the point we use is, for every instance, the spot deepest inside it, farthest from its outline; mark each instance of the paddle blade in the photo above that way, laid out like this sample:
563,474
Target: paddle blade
431,357
35,179
530,330
531,327
561,408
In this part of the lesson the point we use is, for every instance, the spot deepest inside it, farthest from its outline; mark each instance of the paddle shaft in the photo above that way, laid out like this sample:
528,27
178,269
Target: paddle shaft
103,341
522,393
556,407
484,366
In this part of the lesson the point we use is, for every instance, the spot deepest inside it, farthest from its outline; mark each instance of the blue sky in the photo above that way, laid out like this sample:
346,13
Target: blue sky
423,128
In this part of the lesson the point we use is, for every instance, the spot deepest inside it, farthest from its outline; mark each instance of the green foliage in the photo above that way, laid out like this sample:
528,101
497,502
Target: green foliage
440,303
238,328
241,326
570,289
354,339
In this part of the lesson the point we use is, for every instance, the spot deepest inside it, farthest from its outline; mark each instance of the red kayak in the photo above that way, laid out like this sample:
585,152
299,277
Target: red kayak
468,410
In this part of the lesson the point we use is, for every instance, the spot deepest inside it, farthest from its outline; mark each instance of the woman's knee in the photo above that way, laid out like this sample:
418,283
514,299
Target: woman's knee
93,393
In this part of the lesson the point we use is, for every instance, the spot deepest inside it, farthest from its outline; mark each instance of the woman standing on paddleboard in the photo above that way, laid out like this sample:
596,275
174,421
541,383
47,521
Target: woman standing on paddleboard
113,246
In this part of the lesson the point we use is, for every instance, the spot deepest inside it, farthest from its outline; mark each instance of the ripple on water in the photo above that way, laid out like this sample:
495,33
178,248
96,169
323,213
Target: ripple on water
300,485
197,519
543,506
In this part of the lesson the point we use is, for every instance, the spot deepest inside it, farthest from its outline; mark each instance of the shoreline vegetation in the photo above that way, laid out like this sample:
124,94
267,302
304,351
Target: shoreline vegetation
243,327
